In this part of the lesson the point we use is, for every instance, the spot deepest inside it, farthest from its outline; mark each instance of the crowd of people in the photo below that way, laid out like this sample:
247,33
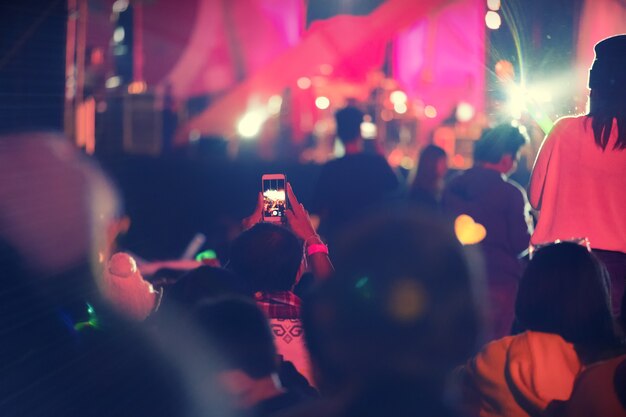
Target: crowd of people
381,310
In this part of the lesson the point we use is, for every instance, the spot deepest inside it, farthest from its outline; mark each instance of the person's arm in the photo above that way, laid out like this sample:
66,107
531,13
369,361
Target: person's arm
316,251
540,170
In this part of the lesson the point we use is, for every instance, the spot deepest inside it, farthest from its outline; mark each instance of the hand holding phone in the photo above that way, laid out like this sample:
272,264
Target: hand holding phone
275,201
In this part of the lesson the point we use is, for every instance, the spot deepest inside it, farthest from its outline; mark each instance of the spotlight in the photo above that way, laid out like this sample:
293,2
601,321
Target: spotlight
250,124
118,34
273,104
493,20
113,82
494,5
322,102
400,108
430,112
120,6
368,130
464,112
517,100
398,97
304,83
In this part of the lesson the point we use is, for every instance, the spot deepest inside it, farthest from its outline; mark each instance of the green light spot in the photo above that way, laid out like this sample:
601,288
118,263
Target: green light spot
362,282
207,254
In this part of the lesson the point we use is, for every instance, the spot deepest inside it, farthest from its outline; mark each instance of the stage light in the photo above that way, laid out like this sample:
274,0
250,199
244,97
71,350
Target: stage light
120,6
541,94
194,135
398,97
493,20
273,104
322,102
137,87
430,112
250,124
516,101
118,34
113,82
368,130
304,83
464,112
400,108
494,5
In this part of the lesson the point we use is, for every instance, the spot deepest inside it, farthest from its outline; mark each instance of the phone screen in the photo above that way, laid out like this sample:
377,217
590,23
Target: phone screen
274,198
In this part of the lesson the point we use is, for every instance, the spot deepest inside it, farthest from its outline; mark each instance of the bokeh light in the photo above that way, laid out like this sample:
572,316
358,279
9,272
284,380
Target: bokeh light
250,124
493,20
493,5
274,104
322,102
368,130
464,112
398,97
304,83
430,112
400,108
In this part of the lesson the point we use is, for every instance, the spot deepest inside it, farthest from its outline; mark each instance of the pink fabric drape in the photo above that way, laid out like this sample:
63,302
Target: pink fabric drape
336,42
440,60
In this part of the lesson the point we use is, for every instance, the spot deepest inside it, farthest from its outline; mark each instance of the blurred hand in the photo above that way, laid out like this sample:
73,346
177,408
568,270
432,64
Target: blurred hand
256,216
297,217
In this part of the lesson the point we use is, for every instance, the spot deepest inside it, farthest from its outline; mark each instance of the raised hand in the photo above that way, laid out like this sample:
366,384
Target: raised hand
298,218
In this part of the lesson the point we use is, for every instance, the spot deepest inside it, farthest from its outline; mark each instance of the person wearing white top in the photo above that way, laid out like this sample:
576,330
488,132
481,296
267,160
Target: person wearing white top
579,178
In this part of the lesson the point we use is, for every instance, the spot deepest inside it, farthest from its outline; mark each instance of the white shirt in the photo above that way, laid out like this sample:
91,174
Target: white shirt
579,188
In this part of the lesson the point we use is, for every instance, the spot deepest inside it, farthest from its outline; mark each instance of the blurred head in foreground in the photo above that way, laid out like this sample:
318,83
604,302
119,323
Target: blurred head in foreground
399,309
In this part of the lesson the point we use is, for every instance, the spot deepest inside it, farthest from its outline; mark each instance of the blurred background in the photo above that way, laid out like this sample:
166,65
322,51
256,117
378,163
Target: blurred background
186,103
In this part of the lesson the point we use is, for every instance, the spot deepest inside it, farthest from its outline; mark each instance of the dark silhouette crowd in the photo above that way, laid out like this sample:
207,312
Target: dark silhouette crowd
391,306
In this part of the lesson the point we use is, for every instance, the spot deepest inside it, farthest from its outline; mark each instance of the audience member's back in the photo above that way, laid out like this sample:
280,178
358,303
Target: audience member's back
484,193
350,185
267,258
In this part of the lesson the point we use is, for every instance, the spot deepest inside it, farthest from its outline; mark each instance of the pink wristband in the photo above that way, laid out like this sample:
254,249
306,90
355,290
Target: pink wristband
313,249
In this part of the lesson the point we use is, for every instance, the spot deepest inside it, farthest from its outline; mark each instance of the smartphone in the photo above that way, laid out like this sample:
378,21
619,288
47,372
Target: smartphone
275,202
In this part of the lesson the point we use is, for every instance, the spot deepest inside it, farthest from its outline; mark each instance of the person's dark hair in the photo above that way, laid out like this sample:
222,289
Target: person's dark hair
564,291
426,176
622,314
400,305
349,121
501,140
607,81
266,257
205,282
239,331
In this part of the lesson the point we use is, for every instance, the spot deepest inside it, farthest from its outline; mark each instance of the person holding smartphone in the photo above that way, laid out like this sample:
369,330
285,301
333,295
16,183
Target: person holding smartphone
297,219
578,181
268,257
